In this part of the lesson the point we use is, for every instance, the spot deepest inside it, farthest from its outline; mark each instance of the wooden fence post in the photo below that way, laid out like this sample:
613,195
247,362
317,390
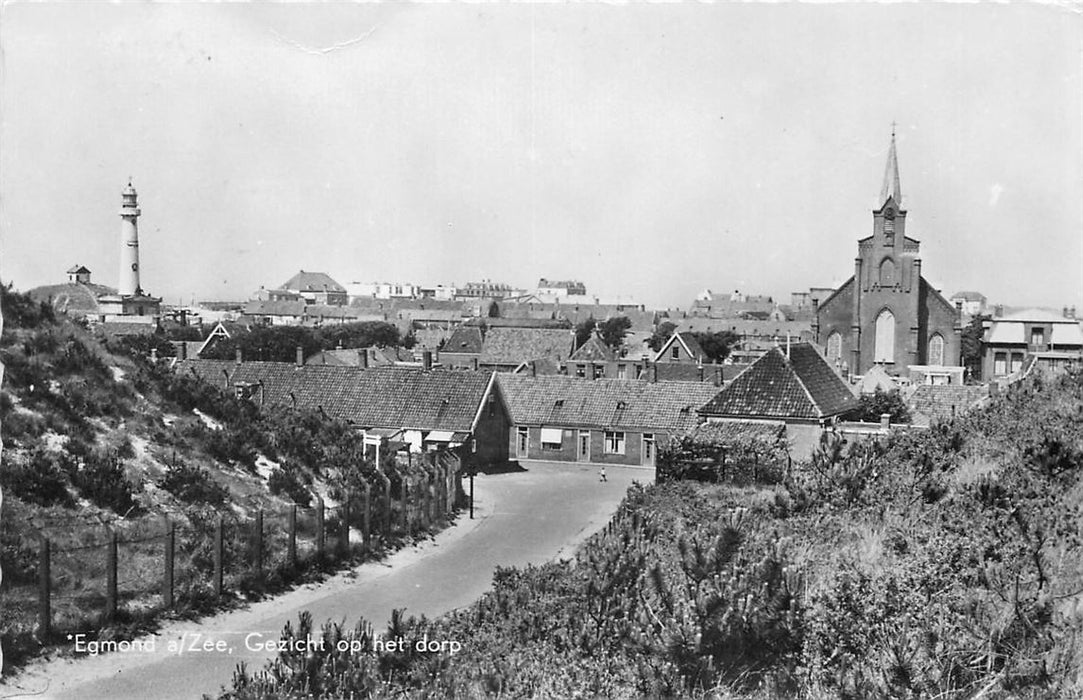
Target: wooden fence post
167,578
45,615
219,551
291,551
366,519
387,507
344,539
405,506
111,579
258,544
319,528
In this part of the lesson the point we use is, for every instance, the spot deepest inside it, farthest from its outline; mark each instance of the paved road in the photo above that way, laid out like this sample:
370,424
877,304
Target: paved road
524,517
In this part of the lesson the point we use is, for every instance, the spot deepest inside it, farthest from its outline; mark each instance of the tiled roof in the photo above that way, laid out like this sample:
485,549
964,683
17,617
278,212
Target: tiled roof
931,403
686,372
594,350
78,269
746,327
603,403
516,345
383,397
120,328
801,387
313,282
728,432
274,308
466,339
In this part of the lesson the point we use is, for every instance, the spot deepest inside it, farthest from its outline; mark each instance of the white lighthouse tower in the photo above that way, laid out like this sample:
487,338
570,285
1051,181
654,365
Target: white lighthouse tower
128,281
130,303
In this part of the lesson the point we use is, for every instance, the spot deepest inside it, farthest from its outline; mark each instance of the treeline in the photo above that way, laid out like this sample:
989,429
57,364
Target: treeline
280,343
943,563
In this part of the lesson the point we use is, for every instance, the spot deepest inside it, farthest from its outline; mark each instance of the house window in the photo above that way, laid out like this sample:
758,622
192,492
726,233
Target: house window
1000,363
675,353
622,371
551,438
936,350
1037,336
580,371
598,371
834,347
1017,361
614,442
884,350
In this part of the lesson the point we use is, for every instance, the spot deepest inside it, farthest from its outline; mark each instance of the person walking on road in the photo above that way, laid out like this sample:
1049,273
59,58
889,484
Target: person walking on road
601,475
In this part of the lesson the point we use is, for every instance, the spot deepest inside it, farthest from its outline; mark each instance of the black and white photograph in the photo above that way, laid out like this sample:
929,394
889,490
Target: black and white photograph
695,350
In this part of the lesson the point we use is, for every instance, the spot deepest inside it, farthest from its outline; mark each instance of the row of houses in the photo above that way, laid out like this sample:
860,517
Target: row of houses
491,417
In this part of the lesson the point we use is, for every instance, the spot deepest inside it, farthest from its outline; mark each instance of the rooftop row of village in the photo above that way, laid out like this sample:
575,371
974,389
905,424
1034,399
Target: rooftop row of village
565,375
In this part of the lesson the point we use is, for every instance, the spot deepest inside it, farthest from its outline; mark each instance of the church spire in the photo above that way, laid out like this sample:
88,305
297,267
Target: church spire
891,187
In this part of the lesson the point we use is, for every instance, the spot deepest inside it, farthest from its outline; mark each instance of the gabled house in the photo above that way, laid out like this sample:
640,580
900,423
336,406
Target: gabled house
591,359
681,347
794,385
464,411
607,421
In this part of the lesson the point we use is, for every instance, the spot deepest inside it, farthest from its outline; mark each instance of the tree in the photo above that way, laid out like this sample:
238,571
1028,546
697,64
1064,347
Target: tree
360,335
717,346
583,331
872,406
971,345
613,330
661,334
275,344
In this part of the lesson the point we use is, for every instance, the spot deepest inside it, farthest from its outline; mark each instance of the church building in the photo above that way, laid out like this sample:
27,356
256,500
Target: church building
887,314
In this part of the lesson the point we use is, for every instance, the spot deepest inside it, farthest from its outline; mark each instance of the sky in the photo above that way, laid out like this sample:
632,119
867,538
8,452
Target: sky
649,150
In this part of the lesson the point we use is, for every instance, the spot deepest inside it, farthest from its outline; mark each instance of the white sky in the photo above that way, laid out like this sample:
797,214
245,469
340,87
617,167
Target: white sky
649,150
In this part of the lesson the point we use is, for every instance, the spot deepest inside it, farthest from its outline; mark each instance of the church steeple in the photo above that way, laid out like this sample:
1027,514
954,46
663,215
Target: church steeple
891,187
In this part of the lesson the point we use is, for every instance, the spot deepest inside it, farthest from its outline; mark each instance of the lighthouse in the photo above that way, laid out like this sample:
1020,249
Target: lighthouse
128,280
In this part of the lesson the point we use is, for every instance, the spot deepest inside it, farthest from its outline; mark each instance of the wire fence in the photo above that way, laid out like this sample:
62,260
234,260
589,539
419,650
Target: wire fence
83,578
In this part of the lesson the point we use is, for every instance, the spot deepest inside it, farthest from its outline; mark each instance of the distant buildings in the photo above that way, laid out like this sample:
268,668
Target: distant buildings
561,288
316,288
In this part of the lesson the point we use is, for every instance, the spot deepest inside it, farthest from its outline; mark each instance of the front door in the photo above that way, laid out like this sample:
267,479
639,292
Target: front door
583,451
522,443
648,449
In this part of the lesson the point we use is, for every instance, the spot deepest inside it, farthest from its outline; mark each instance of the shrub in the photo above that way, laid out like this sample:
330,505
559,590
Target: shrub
101,480
40,477
192,484
285,481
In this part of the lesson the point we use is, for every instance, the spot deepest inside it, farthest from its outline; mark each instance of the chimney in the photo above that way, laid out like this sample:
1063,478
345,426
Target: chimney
240,358
718,376
998,311
475,364
182,350
363,357
533,368
426,359
300,356
1071,312
787,345
885,421
654,371
959,308
1064,312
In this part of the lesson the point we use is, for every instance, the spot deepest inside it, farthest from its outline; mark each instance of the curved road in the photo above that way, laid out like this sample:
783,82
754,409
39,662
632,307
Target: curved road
524,517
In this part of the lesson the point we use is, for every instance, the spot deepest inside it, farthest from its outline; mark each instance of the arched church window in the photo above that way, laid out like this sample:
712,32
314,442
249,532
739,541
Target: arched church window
936,350
884,350
887,273
834,347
